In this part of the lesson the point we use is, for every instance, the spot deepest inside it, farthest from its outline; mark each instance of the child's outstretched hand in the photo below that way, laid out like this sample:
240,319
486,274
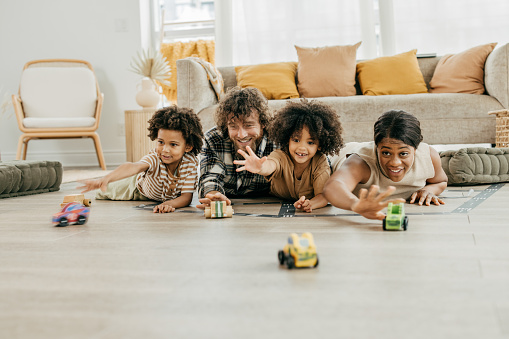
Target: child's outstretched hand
162,208
90,185
423,196
370,205
252,163
303,204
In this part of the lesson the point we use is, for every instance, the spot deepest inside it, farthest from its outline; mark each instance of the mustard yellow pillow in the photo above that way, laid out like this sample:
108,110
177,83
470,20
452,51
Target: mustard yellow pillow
398,74
462,72
327,71
275,80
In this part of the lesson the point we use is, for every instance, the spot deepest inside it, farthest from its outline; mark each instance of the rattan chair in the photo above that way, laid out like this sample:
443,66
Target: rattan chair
58,99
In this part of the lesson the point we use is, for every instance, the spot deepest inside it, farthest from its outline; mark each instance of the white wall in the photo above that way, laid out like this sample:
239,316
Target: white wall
104,32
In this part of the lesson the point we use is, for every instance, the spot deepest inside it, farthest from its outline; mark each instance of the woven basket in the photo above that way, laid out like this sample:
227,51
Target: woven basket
502,136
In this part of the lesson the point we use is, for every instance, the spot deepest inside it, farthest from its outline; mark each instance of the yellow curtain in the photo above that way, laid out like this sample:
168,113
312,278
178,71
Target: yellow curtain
174,51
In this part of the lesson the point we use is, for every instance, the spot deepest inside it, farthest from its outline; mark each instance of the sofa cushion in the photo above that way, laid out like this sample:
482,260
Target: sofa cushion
398,74
48,92
462,72
275,80
478,165
327,71
23,177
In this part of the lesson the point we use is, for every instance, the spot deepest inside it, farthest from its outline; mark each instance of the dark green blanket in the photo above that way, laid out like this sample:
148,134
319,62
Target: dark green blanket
23,177
473,166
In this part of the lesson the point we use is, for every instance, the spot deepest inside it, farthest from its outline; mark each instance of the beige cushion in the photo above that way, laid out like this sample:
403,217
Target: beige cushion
462,72
56,92
327,71
398,74
275,80
58,122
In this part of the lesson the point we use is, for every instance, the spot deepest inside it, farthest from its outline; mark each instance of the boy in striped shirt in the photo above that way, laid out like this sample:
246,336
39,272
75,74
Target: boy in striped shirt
168,173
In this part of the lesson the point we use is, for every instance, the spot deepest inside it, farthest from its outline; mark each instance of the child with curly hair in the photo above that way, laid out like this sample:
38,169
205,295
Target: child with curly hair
168,173
306,131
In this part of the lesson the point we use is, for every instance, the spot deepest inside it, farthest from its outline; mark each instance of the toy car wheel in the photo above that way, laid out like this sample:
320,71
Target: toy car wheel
87,202
281,257
316,264
290,262
405,223
81,220
63,222
383,225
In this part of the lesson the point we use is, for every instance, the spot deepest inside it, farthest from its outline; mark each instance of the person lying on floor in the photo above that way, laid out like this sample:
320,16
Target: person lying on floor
168,173
396,162
306,131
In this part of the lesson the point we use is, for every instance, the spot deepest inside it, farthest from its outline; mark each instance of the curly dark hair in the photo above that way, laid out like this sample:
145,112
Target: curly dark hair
399,125
178,119
240,103
321,120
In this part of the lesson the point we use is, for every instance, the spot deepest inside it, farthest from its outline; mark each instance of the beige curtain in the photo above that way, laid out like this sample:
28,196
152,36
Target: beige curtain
204,49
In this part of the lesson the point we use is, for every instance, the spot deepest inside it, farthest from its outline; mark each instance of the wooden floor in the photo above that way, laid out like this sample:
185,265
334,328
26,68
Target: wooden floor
129,273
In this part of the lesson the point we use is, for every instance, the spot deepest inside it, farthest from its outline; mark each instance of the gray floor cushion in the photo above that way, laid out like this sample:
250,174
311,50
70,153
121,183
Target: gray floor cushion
478,165
23,177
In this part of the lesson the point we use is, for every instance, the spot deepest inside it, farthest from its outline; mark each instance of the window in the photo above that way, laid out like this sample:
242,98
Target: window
185,20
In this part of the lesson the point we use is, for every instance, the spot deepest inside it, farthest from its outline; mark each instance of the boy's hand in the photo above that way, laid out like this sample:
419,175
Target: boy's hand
90,185
303,204
370,205
252,163
162,208
212,197
423,196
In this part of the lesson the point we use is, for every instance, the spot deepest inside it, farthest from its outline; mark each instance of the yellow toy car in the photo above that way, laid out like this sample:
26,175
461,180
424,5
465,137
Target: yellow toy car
299,251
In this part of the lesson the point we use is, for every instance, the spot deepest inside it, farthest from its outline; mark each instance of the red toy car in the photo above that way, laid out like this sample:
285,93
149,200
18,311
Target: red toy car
72,213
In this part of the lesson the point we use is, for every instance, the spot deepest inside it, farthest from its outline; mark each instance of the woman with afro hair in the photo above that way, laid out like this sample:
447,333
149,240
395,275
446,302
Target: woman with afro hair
168,173
306,131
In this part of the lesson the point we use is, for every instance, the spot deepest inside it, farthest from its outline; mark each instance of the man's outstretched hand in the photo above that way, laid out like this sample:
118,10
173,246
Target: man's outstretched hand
212,197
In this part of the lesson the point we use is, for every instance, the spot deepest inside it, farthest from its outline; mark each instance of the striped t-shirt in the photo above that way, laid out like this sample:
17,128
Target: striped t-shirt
157,183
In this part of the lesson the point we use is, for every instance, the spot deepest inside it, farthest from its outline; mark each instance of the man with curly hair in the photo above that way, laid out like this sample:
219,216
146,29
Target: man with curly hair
307,132
241,120
168,173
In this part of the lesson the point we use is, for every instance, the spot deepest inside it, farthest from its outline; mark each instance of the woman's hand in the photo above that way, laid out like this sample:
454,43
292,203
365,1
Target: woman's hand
423,196
371,204
164,208
89,185
303,204
252,163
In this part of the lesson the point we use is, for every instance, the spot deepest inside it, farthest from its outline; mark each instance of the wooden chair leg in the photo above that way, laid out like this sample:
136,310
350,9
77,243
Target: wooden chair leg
22,147
99,150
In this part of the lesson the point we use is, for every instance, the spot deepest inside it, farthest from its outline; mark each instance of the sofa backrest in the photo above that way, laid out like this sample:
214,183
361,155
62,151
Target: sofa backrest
427,66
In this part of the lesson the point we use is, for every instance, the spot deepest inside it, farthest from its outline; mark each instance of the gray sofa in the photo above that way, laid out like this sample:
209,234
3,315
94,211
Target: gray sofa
446,118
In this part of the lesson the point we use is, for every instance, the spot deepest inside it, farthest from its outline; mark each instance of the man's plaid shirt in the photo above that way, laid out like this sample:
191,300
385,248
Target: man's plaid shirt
218,173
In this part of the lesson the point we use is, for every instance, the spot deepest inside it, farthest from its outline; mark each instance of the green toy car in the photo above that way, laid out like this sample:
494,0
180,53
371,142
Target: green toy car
396,220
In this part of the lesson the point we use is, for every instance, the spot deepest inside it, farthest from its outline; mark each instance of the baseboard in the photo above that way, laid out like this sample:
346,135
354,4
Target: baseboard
73,159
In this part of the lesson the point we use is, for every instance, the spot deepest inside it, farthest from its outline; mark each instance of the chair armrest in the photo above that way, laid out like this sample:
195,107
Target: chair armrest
18,110
496,75
193,87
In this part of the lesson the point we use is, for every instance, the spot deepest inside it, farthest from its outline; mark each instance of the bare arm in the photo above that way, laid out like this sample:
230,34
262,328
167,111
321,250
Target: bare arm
125,170
170,205
306,205
434,186
254,164
338,190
